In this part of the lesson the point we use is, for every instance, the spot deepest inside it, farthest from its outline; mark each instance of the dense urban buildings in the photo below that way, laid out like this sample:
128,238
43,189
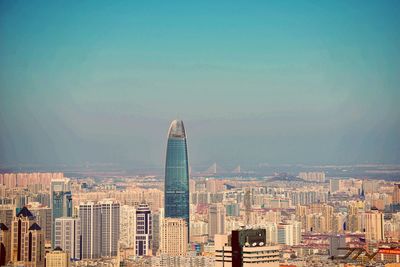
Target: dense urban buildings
273,220
122,221
289,112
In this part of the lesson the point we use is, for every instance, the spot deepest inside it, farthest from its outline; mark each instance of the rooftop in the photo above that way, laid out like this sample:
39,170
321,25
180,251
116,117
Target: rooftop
177,129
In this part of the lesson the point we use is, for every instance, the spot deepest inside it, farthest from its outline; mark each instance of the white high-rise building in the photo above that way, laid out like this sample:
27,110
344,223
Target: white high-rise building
285,234
216,220
313,176
144,230
90,215
271,230
127,229
296,232
289,233
174,239
68,236
99,228
109,227
373,225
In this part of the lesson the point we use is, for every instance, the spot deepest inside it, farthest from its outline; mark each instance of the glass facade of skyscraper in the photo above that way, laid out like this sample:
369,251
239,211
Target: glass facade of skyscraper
61,201
177,173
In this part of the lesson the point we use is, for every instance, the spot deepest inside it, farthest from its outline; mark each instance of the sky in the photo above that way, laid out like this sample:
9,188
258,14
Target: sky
254,81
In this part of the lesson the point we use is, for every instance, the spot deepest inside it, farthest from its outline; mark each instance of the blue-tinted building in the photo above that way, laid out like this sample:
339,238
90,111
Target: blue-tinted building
61,202
177,173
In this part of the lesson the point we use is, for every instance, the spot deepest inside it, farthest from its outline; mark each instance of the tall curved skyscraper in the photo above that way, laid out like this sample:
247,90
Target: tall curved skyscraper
176,198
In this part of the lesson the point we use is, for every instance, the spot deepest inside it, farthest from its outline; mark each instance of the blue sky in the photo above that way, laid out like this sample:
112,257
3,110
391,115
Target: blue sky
259,81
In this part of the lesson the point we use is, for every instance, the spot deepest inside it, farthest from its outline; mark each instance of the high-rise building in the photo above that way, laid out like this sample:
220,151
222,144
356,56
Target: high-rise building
43,217
127,229
109,227
57,258
246,247
216,220
90,216
334,185
214,185
271,231
157,220
61,201
27,243
396,194
289,233
313,176
353,217
327,212
174,239
198,231
7,213
285,234
5,244
144,230
373,225
296,232
99,228
11,180
177,173
68,236
336,242
20,225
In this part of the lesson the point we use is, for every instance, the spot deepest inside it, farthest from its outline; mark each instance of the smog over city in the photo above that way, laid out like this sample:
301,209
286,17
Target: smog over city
199,133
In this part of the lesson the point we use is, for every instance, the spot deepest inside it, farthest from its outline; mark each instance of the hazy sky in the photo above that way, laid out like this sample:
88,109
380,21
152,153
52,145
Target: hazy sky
254,81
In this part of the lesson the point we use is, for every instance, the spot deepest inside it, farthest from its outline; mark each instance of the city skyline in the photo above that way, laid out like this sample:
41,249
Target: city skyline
202,134
277,82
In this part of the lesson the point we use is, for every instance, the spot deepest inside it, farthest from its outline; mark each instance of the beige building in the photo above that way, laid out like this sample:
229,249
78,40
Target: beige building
373,225
57,258
27,243
313,176
7,213
396,194
174,239
216,220
43,218
353,217
127,229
